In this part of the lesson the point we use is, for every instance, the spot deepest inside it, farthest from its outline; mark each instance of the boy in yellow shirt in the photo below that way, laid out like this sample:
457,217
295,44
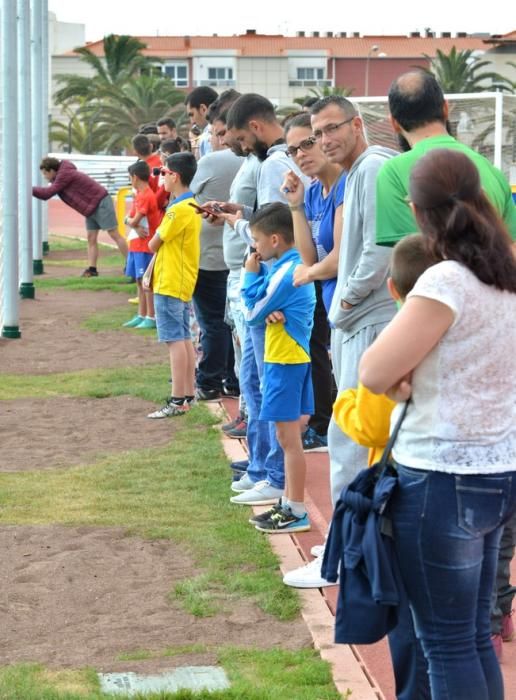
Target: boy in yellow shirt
178,249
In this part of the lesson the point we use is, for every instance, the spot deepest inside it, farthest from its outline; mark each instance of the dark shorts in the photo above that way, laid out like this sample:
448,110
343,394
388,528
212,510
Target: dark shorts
172,318
287,392
104,217
136,264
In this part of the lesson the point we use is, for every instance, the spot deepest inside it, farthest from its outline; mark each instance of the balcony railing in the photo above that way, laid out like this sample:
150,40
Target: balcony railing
310,83
215,83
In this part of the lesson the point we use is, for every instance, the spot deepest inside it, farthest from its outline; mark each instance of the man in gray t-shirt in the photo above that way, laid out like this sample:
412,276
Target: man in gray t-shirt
212,181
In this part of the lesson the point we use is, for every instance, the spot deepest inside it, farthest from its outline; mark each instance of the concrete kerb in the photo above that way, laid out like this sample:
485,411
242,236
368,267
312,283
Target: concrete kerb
348,669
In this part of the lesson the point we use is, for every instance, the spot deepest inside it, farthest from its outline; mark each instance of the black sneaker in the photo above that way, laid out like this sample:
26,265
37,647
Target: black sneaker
241,465
88,272
284,520
313,442
262,517
208,394
229,391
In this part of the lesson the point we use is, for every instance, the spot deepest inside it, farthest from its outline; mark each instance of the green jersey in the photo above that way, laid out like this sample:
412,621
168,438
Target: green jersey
394,218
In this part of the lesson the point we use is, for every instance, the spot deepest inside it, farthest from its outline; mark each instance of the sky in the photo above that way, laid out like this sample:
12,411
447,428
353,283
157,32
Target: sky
372,17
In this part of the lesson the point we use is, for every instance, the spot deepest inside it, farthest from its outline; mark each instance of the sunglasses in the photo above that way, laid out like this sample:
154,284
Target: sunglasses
305,145
165,171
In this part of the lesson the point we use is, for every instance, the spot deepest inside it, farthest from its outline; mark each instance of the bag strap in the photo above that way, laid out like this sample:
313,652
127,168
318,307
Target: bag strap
392,439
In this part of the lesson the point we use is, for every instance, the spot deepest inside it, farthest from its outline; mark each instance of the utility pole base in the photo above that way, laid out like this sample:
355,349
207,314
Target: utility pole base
27,290
11,332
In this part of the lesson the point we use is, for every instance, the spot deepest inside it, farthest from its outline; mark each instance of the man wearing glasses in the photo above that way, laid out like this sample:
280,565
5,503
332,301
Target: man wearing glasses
361,305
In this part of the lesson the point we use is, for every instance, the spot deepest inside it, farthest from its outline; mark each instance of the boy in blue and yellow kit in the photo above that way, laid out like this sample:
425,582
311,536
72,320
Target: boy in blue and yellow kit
270,295
178,248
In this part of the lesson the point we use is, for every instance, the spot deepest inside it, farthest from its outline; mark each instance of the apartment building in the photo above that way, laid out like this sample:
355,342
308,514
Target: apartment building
286,67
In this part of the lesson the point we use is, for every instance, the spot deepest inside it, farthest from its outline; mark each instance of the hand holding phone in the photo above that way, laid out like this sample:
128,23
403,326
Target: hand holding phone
204,209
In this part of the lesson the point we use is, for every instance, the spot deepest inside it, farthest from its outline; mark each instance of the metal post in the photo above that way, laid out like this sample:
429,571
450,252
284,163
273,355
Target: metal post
373,49
24,151
45,67
37,139
10,328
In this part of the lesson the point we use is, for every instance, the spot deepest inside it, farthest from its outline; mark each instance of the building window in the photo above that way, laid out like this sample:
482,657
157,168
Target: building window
178,73
220,73
310,73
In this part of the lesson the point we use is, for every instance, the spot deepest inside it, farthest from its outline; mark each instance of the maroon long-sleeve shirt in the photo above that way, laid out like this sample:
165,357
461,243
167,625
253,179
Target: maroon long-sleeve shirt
78,190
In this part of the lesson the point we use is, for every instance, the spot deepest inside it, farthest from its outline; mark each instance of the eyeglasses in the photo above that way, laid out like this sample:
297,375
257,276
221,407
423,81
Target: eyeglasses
331,128
304,146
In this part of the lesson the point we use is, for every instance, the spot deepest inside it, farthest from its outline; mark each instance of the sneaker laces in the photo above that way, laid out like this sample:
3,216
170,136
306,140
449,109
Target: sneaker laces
314,565
261,485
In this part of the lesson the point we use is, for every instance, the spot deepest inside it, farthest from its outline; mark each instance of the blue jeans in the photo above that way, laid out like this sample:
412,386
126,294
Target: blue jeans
266,459
447,532
218,361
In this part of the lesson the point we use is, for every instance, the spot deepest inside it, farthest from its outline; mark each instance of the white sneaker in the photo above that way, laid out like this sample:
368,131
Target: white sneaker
308,576
262,494
317,550
243,484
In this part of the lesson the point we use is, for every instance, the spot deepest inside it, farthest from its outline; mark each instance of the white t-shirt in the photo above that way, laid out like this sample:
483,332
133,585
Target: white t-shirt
462,417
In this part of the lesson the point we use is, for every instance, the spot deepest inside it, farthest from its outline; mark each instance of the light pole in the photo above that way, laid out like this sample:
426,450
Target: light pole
373,49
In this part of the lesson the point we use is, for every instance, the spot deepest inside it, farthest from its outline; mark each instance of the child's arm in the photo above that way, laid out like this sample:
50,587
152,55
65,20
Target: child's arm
364,416
263,295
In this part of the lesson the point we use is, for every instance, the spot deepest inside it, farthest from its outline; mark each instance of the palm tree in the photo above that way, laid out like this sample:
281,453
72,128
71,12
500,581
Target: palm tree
106,109
326,91
80,134
462,71
122,61
143,99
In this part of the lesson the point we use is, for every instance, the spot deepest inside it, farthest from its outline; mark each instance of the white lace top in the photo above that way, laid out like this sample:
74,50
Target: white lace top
462,417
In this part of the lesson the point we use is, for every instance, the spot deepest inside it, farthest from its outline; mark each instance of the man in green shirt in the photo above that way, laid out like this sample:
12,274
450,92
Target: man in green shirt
418,114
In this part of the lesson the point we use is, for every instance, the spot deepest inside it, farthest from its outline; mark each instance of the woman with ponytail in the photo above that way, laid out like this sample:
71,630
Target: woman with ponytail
451,350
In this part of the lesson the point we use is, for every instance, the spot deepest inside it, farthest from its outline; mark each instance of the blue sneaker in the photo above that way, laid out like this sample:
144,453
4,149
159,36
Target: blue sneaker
284,520
135,321
147,323
313,442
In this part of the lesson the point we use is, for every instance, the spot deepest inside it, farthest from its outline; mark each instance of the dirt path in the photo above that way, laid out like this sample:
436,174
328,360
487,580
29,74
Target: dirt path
80,596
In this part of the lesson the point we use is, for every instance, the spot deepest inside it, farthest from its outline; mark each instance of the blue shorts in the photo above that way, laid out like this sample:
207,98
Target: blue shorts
172,318
136,264
287,392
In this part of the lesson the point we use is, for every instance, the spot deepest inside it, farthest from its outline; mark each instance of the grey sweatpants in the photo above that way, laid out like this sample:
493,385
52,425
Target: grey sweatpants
346,457
503,593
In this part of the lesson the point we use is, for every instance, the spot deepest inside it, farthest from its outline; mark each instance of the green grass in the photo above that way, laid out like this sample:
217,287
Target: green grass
105,261
148,382
58,243
272,674
114,319
93,284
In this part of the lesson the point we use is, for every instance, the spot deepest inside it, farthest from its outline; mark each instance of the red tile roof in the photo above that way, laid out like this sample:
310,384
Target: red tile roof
254,45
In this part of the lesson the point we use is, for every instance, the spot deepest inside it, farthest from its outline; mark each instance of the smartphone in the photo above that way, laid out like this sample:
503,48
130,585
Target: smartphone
206,210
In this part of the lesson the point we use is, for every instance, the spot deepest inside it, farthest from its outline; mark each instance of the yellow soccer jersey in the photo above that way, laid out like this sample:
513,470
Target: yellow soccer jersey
177,261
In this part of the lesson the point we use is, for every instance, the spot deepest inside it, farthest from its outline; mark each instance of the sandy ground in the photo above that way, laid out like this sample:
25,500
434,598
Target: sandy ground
80,596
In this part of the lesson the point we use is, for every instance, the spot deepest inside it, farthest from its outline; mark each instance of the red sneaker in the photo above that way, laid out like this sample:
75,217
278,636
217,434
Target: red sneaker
507,633
239,431
232,424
